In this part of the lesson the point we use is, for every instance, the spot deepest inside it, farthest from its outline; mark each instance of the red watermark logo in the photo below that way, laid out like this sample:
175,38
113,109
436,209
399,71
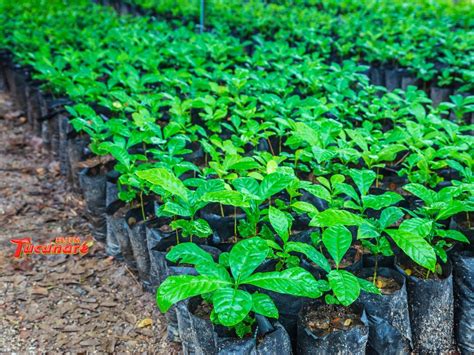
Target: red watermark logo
60,245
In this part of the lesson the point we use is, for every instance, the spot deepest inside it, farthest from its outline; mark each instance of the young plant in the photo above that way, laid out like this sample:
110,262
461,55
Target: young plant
362,200
231,302
181,201
424,237
281,223
373,234
344,286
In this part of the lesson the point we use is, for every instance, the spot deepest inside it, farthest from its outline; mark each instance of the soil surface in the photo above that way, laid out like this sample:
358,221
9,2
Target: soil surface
203,310
88,303
415,270
386,285
327,318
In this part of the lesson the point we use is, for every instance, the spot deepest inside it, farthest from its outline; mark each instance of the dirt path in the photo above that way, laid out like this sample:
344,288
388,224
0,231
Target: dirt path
61,303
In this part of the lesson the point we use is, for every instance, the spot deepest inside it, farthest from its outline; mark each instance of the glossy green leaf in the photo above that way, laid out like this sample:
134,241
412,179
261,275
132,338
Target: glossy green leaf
318,191
212,269
390,216
293,281
377,202
166,180
363,179
180,287
246,256
189,253
454,235
231,305
333,217
367,231
226,197
264,305
345,286
452,208
273,183
415,246
310,252
427,195
304,207
419,226
337,240
279,222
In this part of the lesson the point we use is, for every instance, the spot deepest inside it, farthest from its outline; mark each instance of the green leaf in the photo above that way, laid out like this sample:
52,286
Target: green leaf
454,235
224,259
166,180
246,256
180,287
368,286
310,252
390,216
231,305
201,228
211,269
377,202
452,208
293,281
177,209
343,188
418,111
304,207
279,222
345,286
189,253
246,184
415,246
206,186
427,195
337,240
318,191
264,305
367,231
333,217
226,197
363,179
273,183
419,226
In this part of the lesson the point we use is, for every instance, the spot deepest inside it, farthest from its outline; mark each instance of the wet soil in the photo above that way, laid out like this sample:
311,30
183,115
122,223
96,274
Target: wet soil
203,310
412,269
386,285
327,318
78,304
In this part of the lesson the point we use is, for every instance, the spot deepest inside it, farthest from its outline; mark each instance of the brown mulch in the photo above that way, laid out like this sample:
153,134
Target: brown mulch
61,303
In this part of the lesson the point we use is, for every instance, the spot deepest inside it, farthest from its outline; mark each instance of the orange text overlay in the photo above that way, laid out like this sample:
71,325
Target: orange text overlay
61,245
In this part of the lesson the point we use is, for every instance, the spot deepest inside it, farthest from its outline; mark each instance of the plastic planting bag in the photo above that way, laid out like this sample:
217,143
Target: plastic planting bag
463,265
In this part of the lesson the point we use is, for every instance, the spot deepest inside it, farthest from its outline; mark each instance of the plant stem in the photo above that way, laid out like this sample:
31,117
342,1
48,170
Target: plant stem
279,145
235,222
468,220
375,270
222,209
270,145
427,274
176,231
401,159
141,205
377,178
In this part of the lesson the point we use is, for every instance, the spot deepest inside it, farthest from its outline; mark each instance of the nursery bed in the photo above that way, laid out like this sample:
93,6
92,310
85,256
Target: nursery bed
60,303
249,182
